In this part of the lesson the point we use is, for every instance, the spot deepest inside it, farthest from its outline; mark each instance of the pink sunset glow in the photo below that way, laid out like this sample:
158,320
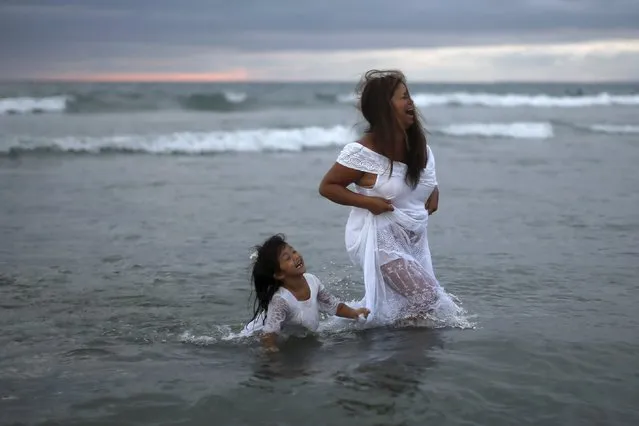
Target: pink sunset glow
236,75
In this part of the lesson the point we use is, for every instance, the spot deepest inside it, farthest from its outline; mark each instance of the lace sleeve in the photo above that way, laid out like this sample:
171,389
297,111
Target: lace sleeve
356,156
326,301
276,316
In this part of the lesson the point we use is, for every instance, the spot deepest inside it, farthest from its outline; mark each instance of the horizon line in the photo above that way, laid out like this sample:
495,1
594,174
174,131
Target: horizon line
310,81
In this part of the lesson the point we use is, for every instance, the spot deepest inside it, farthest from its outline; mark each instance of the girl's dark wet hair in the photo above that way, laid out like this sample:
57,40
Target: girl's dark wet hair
375,92
265,266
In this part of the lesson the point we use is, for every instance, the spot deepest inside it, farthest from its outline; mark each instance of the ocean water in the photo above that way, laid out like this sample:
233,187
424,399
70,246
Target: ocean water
128,212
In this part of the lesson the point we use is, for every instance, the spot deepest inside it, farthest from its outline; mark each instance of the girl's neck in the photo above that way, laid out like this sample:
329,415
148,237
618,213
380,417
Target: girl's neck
295,283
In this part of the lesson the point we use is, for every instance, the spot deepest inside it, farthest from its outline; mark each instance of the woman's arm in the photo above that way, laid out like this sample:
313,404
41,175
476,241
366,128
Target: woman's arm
433,201
334,186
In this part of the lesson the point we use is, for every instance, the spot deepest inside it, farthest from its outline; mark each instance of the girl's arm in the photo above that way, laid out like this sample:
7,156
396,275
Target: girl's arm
278,311
269,340
346,311
331,305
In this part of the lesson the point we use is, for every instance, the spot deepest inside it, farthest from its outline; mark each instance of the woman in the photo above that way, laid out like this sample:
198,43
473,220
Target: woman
393,170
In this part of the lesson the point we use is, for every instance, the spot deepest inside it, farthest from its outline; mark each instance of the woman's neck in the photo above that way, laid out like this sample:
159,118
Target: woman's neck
399,143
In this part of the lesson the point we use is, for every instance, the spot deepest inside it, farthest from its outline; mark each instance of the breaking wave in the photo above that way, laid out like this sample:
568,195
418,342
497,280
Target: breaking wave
122,100
511,100
27,105
225,101
258,140
106,101
615,129
502,130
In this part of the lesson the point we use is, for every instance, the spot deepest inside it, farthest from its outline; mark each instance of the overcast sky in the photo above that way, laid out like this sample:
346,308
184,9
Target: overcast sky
441,40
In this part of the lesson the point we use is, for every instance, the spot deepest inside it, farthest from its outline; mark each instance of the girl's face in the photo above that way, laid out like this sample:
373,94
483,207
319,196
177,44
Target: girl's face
291,263
403,105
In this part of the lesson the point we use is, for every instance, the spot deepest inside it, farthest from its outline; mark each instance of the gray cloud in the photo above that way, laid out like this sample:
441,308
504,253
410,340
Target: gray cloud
68,30
235,24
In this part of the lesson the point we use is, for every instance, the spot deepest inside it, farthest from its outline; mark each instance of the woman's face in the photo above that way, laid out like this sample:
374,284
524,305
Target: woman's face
404,107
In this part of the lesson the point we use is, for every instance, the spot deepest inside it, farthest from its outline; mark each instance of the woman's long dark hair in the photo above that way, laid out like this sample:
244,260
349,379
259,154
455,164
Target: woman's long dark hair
376,91
265,266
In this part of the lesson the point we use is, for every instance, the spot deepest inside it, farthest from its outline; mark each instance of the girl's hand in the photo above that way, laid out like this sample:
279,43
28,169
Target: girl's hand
378,205
269,340
362,312
271,349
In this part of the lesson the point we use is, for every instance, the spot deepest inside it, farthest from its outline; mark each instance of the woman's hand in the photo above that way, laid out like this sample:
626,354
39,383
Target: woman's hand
378,205
433,201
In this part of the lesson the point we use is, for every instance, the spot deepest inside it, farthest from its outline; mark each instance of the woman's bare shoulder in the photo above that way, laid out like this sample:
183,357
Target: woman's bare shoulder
367,142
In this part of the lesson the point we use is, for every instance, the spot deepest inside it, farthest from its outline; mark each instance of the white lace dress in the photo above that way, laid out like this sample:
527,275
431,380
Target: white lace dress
392,248
288,316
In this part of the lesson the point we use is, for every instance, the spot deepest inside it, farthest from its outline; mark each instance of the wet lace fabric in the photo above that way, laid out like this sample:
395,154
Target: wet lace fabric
392,248
289,316
328,303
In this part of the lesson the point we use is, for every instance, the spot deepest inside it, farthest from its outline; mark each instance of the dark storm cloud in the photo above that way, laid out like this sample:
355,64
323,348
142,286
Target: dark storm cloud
321,24
67,30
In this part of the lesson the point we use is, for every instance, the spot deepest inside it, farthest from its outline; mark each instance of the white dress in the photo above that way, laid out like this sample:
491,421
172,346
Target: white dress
288,316
392,248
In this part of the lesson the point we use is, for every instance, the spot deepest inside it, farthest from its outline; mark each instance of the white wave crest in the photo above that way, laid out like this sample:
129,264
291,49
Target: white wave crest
24,105
259,140
235,97
346,99
511,100
503,130
615,128
196,143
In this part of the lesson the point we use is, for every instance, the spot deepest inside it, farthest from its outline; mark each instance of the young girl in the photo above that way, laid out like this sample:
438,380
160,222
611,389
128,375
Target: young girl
287,299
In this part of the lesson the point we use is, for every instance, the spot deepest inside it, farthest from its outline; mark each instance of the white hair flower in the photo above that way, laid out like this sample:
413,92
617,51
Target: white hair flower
253,256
